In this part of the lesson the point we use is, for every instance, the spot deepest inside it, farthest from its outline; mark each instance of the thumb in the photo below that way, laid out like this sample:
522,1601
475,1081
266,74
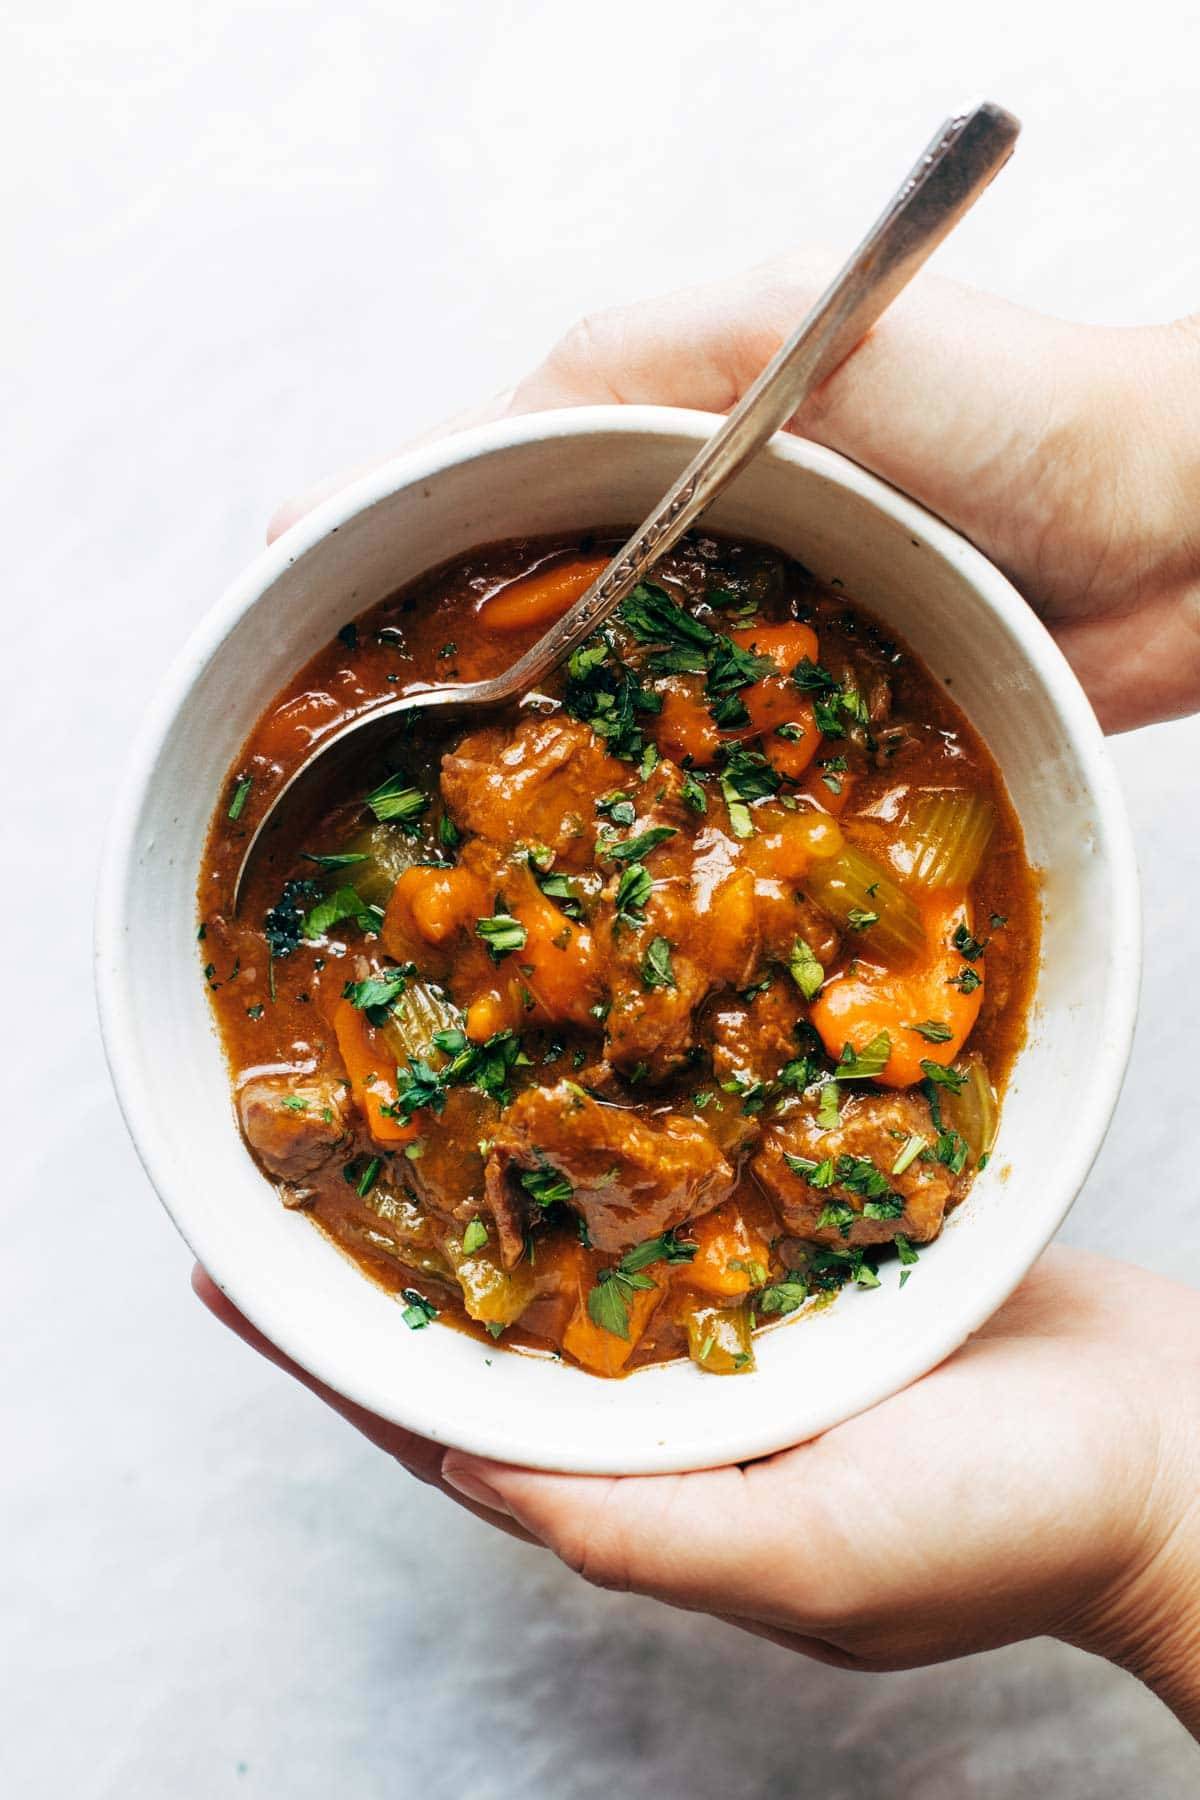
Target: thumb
713,1541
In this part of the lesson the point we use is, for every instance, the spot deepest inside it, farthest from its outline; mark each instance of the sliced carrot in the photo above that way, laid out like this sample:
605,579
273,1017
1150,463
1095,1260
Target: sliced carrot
726,1238
427,907
601,1351
685,727
830,799
855,1007
537,600
558,963
370,1068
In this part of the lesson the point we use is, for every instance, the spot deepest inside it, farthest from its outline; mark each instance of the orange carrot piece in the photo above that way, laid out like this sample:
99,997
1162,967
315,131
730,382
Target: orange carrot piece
725,1238
854,1008
368,1064
602,1351
536,600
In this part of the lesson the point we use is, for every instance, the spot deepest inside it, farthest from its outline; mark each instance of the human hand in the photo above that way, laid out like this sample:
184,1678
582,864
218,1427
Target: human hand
1070,454
1043,1480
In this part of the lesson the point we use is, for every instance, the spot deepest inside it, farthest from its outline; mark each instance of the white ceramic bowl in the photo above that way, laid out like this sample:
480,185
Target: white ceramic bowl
564,471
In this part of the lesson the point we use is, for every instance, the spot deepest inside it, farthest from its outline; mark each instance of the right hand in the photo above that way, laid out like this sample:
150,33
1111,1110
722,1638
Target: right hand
1070,454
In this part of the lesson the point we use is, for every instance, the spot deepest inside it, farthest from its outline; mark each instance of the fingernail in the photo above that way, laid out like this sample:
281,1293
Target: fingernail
466,1482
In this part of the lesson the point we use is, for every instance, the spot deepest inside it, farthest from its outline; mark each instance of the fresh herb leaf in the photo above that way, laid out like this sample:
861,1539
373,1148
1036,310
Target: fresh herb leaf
933,1031
635,848
657,971
783,1297
559,889
546,1185
474,1237
859,920
395,802
865,1064
654,618
966,981
618,807
805,970
912,1149
827,1106
343,859
502,934
345,903
369,1177
693,795
666,1248
237,804
633,891
449,836
943,1077
966,945
378,994
419,1310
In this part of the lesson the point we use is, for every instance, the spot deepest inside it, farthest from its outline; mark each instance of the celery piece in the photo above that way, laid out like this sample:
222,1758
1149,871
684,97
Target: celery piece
719,1340
492,1295
421,1010
857,893
388,851
972,1111
944,836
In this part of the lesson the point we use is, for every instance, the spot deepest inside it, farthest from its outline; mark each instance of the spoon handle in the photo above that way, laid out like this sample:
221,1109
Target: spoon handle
944,184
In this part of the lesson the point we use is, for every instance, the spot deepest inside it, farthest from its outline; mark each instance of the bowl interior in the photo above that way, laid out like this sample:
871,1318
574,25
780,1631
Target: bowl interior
568,471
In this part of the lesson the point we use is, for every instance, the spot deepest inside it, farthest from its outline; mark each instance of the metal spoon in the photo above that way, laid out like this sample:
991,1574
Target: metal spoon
949,177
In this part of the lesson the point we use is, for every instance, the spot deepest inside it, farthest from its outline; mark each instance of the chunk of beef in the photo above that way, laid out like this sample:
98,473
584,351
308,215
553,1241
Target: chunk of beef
754,1038
873,1128
294,1123
631,1176
534,783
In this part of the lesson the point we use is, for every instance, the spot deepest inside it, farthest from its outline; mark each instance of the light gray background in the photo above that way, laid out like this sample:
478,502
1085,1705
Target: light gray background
246,245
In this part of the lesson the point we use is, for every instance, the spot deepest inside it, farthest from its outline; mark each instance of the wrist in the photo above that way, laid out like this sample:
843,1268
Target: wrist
1148,1619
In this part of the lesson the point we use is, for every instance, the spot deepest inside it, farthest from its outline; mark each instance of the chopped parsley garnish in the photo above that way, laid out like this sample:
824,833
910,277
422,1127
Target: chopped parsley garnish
932,1030
378,994
665,1248
943,1077
474,1237
633,891
913,1147
805,970
693,795
419,1310
294,1103
783,1297
608,1301
654,618
966,981
449,836
559,889
546,1185
966,945
242,794
635,848
394,802
343,859
501,933
657,971
865,1064
618,807
345,903
255,1011
370,1176
951,1151
827,1106
838,1215
606,695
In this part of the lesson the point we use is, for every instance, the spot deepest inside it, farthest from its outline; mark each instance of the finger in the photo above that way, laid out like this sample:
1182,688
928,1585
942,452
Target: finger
418,1455
951,396
715,1541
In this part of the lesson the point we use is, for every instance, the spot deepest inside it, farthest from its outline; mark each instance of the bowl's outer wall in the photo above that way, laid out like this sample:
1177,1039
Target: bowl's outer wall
565,472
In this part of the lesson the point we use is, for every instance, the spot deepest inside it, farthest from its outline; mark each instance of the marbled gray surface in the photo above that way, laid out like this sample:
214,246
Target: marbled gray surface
248,244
